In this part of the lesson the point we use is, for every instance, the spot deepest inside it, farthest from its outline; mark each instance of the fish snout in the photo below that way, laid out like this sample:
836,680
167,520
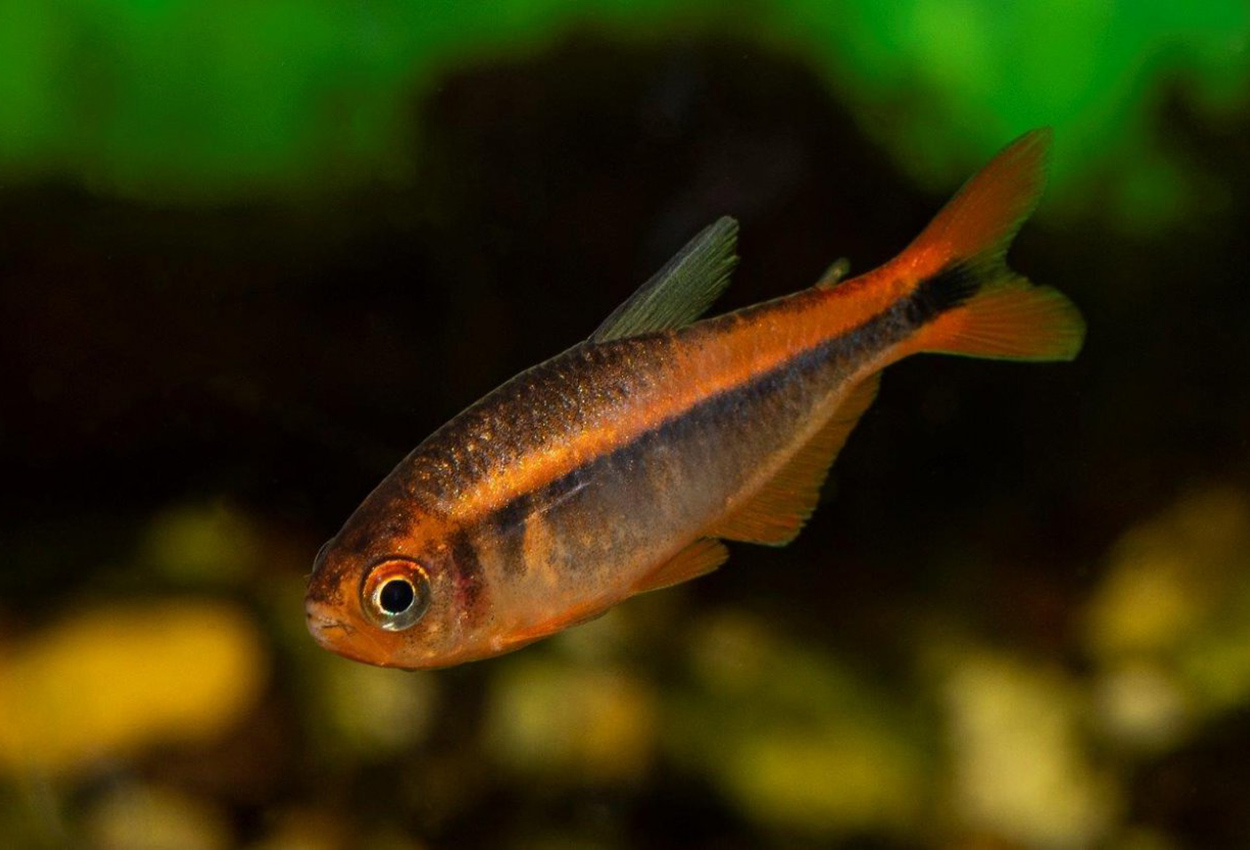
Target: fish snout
322,623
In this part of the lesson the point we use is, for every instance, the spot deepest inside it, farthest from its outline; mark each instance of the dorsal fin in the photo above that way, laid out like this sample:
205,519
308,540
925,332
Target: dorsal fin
776,514
678,294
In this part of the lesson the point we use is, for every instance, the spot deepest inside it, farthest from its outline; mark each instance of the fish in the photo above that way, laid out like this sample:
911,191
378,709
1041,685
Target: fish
623,464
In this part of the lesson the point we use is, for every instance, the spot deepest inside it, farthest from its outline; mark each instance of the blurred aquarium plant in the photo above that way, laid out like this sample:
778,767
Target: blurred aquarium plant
193,102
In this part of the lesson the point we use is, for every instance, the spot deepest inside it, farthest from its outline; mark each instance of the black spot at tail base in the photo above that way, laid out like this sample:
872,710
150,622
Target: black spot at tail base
954,285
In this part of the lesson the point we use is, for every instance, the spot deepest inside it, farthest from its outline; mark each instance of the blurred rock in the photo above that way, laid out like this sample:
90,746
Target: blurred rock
1021,768
1177,595
589,724
375,711
1170,574
155,818
114,680
843,778
792,737
1143,707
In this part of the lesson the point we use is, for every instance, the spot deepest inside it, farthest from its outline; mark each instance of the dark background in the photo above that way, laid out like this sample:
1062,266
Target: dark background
1020,618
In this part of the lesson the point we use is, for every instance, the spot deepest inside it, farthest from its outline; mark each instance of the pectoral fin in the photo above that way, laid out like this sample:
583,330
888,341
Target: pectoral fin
567,620
697,559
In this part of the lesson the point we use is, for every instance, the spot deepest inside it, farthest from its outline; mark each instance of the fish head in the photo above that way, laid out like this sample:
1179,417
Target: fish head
390,589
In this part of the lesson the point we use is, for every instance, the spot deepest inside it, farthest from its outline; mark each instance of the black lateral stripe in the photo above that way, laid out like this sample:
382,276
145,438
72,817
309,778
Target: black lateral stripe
954,285
508,524
723,404
511,516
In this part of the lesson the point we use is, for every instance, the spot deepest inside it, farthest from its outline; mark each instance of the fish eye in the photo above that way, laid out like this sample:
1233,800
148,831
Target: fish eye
395,594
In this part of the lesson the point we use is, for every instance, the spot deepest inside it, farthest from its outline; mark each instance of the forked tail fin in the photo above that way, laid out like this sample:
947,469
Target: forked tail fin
967,301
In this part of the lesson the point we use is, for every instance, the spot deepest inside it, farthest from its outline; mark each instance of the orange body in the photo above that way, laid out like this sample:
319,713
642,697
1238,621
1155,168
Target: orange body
618,466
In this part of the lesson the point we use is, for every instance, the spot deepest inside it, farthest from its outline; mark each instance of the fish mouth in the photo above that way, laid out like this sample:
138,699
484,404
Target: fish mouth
341,637
324,626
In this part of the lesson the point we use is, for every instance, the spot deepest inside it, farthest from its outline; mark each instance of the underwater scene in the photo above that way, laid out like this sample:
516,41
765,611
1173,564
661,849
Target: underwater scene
253,254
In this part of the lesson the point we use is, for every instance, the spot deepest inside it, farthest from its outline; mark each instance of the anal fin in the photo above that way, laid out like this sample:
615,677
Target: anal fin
775,515
697,559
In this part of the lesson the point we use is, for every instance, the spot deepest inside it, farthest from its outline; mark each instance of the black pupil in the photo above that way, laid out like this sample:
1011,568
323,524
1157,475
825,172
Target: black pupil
397,596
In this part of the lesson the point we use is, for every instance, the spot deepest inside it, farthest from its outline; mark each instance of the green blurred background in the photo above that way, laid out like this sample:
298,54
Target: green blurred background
252,252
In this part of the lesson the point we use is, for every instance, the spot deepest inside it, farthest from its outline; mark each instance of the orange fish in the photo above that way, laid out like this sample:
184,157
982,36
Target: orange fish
620,465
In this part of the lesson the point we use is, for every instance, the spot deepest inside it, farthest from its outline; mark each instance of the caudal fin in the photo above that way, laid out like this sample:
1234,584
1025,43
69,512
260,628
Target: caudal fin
966,300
